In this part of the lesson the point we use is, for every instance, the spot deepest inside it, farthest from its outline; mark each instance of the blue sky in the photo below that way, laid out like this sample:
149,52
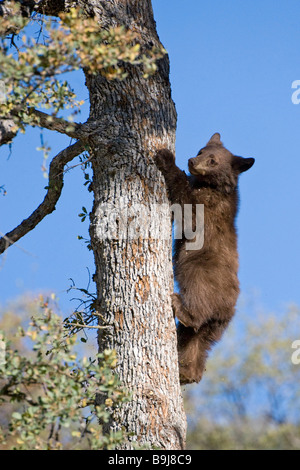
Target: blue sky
232,68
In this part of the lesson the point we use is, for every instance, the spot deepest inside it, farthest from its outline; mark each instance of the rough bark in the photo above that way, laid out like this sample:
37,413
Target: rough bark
134,276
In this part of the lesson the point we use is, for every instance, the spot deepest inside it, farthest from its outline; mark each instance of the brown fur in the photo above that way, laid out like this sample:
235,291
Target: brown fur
207,278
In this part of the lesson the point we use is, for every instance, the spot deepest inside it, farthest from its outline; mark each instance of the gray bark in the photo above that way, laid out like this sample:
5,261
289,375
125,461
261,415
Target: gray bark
134,276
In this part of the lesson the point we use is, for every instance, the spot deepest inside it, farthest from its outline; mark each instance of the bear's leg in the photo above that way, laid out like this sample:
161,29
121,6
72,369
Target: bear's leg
193,348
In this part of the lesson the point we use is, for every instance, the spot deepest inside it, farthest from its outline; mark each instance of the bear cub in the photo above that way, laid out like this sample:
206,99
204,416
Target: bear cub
207,277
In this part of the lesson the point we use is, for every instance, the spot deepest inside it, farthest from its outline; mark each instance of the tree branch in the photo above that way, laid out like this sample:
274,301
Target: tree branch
72,129
75,130
45,7
48,205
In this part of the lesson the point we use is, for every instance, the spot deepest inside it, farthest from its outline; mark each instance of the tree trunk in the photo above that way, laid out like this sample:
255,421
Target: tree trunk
133,275
129,120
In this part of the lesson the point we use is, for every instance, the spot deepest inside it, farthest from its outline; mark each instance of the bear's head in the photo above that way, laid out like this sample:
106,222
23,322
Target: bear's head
215,166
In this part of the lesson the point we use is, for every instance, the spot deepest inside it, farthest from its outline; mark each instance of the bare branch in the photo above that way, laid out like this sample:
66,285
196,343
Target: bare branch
72,129
83,325
75,130
53,193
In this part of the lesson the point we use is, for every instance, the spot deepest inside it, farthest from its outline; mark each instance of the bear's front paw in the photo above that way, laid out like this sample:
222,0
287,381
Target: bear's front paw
179,310
164,159
176,304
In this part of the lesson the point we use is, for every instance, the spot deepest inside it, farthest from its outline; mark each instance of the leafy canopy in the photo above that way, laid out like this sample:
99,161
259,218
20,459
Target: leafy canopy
31,71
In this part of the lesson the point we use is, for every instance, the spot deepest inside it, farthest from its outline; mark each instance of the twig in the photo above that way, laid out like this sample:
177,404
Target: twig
10,242
80,325
78,164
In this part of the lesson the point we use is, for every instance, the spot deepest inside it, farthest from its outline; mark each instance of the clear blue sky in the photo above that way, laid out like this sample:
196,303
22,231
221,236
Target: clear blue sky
232,68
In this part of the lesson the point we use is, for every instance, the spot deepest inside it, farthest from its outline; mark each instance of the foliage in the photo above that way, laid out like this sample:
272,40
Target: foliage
29,77
57,400
249,397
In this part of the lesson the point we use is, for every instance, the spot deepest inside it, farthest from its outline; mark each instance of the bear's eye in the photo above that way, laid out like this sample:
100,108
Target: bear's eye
212,161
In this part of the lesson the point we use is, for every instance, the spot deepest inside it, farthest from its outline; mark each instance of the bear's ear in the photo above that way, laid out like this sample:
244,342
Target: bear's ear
215,139
241,164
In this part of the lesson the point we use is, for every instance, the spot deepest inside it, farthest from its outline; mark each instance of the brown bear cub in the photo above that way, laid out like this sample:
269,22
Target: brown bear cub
206,277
